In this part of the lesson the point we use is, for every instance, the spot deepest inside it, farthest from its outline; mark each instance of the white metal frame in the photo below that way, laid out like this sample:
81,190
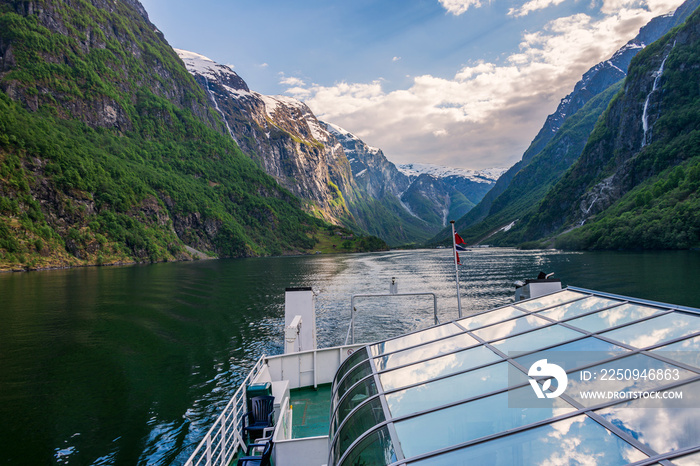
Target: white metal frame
225,437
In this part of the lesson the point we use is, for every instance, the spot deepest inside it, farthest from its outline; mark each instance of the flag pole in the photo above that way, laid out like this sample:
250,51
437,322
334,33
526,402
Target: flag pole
454,255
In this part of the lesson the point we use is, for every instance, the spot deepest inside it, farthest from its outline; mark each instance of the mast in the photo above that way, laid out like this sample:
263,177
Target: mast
454,255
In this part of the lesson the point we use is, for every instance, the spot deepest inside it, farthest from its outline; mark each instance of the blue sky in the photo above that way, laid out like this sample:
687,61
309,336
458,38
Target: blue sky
461,83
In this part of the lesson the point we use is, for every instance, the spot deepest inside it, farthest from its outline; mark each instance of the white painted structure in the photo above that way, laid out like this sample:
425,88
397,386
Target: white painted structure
299,320
536,288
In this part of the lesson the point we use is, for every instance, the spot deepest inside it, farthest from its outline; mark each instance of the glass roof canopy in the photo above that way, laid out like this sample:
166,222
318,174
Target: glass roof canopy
465,392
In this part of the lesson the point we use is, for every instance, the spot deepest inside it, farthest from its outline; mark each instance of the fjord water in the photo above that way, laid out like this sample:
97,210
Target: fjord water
130,365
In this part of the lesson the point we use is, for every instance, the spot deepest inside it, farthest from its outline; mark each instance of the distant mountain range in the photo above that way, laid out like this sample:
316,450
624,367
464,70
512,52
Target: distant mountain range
116,149
338,176
524,196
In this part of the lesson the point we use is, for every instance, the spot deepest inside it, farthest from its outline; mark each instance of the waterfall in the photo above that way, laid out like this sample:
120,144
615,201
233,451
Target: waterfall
216,106
645,115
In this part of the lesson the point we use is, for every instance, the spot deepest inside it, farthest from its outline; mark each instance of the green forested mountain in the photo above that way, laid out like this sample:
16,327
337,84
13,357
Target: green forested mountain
636,182
532,181
501,216
110,152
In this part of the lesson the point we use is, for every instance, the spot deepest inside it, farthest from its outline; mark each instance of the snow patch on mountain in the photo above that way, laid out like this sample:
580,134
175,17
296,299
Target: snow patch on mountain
487,175
344,134
202,65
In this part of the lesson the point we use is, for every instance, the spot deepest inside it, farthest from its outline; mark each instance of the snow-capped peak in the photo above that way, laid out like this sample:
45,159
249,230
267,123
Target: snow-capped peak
487,175
341,133
202,65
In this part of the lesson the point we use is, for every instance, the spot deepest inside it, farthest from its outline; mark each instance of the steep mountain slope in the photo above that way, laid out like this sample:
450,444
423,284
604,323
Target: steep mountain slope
531,183
110,152
635,185
340,178
282,135
424,196
490,211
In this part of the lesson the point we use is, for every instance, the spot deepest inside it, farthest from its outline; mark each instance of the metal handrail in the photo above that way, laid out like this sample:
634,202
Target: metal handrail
351,329
225,437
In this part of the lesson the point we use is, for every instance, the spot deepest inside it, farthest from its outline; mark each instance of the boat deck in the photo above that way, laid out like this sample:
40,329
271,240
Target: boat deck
311,411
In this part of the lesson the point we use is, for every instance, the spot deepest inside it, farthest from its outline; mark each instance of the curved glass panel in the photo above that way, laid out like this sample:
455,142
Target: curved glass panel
488,318
613,317
443,365
359,372
603,380
575,354
664,429
688,460
582,306
363,390
362,420
578,440
376,449
448,390
550,300
429,350
415,339
656,330
472,420
685,351
510,327
358,356
537,339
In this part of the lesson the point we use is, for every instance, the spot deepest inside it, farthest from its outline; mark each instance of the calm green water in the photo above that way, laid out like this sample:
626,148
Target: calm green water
130,365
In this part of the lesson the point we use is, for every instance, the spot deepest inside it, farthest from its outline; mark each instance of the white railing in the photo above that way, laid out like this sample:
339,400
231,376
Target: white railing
225,437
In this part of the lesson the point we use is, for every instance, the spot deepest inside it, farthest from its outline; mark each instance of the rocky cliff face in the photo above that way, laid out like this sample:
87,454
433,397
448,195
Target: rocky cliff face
487,216
120,38
376,175
605,74
646,131
111,152
282,135
428,192
341,178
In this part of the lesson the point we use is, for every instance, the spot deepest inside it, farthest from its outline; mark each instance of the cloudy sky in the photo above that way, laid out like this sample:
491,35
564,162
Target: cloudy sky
460,83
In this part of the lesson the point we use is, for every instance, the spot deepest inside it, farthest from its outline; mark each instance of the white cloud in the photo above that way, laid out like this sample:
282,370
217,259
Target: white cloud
292,81
263,65
457,7
655,7
491,111
533,5
396,59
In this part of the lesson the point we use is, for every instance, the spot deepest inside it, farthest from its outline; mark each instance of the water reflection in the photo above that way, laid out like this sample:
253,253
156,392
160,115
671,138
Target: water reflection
613,317
444,391
577,440
663,429
657,330
428,350
488,318
415,339
510,327
472,420
686,351
605,378
582,306
548,301
140,360
443,365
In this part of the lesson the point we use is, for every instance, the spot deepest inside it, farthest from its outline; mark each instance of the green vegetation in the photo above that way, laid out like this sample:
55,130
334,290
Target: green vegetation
663,213
532,183
334,239
657,205
390,220
110,153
